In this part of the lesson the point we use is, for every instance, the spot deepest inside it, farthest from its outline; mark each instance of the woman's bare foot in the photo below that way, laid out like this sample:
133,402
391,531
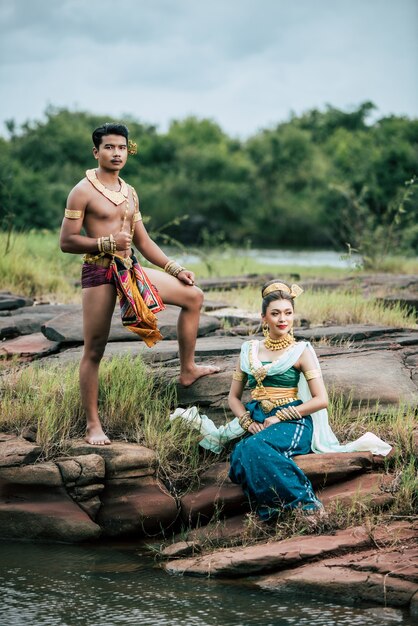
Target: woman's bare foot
188,377
96,437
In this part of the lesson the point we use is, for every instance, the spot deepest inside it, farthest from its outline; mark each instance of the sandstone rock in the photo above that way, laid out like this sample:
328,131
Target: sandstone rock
17,451
45,474
119,457
258,559
133,508
214,305
354,375
407,300
33,346
91,506
44,513
351,332
29,320
378,576
82,470
367,487
201,506
68,327
234,316
224,531
321,469
181,548
9,301
279,555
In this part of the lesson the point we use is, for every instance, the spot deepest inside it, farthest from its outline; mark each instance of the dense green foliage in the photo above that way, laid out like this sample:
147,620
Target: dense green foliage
325,178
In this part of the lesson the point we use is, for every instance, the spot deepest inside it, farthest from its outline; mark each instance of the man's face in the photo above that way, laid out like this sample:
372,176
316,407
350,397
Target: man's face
112,152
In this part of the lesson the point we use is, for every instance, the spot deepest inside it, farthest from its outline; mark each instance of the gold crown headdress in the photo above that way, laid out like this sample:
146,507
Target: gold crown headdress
294,291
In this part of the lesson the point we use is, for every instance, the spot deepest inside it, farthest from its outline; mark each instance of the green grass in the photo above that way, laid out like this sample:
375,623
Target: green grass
328,307
35,266
133,407
32,264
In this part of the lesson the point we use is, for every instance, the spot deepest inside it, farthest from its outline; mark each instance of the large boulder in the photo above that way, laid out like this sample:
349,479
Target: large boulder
30,346
17,451
35,505
137,507
68,327
388,577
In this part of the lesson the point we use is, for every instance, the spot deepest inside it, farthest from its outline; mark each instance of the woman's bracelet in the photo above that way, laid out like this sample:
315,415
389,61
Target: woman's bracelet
245,420
173,268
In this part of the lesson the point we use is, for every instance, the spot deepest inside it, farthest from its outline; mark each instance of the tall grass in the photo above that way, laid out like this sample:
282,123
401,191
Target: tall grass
35,266
32,264
336,307
133,406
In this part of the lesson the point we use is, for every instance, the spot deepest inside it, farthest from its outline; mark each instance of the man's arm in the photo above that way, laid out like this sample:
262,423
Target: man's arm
153,253
70,238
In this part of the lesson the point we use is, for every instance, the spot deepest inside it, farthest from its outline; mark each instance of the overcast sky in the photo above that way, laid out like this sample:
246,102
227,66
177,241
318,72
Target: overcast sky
245,63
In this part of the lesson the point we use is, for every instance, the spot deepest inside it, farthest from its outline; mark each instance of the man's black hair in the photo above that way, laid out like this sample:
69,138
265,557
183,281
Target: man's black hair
110,128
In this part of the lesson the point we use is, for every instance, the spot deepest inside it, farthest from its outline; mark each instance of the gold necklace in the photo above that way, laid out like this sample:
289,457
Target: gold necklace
278,344
117,197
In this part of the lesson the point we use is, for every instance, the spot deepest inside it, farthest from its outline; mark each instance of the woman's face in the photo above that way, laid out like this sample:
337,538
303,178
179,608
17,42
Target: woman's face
279,317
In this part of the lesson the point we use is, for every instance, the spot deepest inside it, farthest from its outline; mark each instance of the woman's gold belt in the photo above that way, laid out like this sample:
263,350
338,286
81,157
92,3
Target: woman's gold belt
272,397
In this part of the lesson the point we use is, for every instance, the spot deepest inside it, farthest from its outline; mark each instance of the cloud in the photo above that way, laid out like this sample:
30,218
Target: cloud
246,63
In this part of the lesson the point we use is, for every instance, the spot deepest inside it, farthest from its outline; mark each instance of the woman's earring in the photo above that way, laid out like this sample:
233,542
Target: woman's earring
265,328
291,332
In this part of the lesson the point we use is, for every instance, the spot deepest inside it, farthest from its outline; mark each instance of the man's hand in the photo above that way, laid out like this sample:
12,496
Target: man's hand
186,277
123,241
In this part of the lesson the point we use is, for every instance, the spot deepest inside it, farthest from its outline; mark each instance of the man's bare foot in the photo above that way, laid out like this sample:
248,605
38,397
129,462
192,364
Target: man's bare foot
189,377
96,437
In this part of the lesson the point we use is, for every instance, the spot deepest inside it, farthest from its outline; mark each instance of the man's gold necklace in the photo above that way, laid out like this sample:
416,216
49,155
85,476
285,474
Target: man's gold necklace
279,344
117,197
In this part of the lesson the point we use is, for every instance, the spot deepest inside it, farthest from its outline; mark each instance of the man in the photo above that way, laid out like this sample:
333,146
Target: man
107,209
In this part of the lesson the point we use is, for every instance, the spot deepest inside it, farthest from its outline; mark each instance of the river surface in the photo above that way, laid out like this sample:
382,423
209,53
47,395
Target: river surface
310,258
116,585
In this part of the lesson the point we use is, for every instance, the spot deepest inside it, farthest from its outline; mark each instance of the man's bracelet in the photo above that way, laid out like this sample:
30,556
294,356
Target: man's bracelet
107,244
173,268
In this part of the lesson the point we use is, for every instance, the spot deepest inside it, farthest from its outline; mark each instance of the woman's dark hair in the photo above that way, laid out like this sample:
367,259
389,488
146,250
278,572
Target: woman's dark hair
279,294
110,128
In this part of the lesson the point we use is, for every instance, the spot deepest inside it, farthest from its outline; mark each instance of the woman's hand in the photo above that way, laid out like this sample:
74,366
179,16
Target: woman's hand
271,420
186,277
255,427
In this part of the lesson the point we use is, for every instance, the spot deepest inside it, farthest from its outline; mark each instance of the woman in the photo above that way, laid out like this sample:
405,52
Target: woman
287,414
280,423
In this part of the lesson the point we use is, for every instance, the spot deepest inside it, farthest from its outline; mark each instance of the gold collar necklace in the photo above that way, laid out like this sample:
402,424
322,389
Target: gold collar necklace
279,344
117,197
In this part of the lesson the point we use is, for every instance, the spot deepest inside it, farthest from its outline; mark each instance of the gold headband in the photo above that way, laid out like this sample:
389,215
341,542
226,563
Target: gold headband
294,291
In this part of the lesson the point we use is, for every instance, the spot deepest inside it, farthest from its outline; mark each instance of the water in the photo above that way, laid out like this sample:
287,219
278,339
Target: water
60,585
311,258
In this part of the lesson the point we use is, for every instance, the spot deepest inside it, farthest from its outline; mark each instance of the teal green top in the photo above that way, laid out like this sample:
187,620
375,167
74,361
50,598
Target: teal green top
290,378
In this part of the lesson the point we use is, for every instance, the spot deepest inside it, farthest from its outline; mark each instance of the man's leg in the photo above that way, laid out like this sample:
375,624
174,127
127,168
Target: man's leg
190,299
98,307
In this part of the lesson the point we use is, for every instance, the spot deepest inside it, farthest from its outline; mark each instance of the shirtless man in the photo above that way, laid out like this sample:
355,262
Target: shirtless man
105,216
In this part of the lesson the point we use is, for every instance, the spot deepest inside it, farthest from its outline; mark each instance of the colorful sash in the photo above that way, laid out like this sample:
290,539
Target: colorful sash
138,298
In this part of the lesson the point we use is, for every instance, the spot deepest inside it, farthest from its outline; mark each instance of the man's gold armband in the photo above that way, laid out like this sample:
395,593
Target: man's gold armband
73,215
311,374
137,217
